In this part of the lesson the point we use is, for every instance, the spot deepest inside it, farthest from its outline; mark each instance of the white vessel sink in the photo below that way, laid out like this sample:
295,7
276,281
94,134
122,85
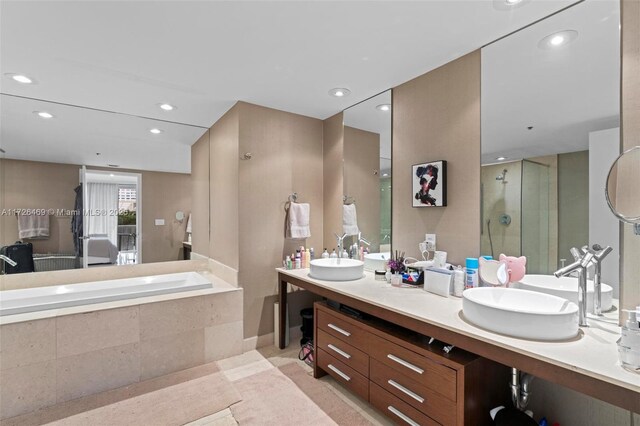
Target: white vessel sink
565,287
376,261
336,269
521,313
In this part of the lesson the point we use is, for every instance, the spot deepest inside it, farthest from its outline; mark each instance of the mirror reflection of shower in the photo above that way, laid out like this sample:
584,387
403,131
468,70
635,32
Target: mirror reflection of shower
501,177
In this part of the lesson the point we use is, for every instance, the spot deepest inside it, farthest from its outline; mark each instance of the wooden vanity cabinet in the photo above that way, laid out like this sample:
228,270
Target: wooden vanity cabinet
404,377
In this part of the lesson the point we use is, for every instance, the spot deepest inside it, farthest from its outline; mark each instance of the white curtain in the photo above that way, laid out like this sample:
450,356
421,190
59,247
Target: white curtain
102,217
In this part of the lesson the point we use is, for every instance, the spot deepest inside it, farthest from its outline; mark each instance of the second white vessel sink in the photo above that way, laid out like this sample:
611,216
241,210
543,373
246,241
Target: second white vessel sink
521,313
565,287
336,269
376,261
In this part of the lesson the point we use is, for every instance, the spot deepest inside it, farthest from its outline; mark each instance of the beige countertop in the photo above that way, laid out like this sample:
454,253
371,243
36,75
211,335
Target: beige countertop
593,353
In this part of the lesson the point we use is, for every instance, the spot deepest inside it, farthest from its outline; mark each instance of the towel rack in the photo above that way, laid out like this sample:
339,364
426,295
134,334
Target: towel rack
293,197
348,200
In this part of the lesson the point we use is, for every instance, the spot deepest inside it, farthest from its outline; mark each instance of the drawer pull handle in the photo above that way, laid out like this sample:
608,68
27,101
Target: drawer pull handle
339,351
339,373
339,330
405,363
403,416
406,391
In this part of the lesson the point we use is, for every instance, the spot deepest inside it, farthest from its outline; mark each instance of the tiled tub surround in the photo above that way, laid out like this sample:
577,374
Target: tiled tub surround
54,356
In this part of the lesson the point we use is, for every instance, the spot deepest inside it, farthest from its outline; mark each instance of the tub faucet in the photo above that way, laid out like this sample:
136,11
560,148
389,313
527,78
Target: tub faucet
581,266
599,254
8,260
340,242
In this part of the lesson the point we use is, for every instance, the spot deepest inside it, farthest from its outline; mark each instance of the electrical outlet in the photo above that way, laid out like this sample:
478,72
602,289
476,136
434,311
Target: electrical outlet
430,240
159,222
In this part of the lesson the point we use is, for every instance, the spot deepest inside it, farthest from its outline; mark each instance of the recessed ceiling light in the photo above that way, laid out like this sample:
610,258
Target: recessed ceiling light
156,131
111,174
385,174
43,114
166,107
512,2
501,158
509,5
339,92
384,107
558,39
21,78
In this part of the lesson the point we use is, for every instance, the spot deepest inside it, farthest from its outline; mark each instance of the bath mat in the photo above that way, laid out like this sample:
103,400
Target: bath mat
173,405
324,397
270,398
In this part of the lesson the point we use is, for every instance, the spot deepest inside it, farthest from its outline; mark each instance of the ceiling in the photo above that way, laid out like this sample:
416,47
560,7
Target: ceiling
127,57
563,93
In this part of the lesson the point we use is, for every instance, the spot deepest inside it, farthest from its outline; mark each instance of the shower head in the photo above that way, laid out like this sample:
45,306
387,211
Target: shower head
502,175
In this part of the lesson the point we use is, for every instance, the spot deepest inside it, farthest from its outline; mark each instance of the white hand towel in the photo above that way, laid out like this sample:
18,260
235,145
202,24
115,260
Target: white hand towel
298,221
33,226
349,219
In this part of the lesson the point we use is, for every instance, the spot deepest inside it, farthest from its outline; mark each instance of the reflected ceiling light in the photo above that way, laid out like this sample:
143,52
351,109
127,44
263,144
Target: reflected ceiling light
43,114
501,158
339,92
509,5
21,78
156,131
167,107
385,175
558,39
111,174
512,2
384,107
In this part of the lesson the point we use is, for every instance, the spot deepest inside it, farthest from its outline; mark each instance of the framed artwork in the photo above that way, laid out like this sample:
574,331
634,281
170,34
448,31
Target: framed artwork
429,184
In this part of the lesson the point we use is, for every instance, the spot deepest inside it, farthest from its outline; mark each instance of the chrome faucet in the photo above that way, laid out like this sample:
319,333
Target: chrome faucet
340,242
599,254
8,260
581,266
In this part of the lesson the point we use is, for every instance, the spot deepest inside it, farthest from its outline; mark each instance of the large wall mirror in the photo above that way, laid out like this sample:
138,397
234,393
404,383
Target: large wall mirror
367,169
89,188
550,132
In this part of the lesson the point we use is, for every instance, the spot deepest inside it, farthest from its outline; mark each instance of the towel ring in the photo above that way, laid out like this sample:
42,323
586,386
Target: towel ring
348,200
293,197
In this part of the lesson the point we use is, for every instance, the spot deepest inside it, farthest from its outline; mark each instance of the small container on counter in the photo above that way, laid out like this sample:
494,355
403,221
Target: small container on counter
380,275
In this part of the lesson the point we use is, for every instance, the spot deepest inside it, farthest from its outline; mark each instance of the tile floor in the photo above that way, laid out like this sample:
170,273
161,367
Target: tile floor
277,388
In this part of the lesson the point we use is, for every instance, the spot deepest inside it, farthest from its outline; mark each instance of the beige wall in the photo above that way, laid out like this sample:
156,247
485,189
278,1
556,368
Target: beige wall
163,194
573,201
31,184
333,178
200,195
362,179
223,189
437,117
286,157
630,118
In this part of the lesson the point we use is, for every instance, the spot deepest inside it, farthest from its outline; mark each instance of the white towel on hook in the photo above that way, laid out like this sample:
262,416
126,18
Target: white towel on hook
33,226
349,219
298,221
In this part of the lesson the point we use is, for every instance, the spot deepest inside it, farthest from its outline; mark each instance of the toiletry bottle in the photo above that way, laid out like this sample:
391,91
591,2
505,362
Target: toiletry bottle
302,253
472,265
307,258
361,254
345,255
313,254
298,260
458,281
333,255
325,254
288,262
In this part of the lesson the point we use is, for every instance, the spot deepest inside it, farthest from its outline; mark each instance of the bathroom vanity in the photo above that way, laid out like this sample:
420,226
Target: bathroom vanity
398,319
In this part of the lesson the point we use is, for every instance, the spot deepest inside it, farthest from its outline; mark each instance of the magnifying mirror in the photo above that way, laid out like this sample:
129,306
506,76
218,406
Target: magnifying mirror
623,187
180,216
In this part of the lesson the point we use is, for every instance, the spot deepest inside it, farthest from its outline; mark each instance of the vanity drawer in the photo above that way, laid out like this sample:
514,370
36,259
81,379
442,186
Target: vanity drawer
344,352
434,376
398,411
345,375
343,329
414,393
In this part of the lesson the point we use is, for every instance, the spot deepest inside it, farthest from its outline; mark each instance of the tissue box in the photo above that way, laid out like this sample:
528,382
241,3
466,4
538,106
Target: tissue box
438,281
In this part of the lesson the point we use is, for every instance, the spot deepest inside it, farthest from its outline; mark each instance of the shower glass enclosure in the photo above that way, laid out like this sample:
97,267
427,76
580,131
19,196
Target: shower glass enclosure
517,202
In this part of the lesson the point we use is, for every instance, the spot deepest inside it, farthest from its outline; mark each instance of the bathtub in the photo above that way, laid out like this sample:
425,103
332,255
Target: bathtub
63,296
